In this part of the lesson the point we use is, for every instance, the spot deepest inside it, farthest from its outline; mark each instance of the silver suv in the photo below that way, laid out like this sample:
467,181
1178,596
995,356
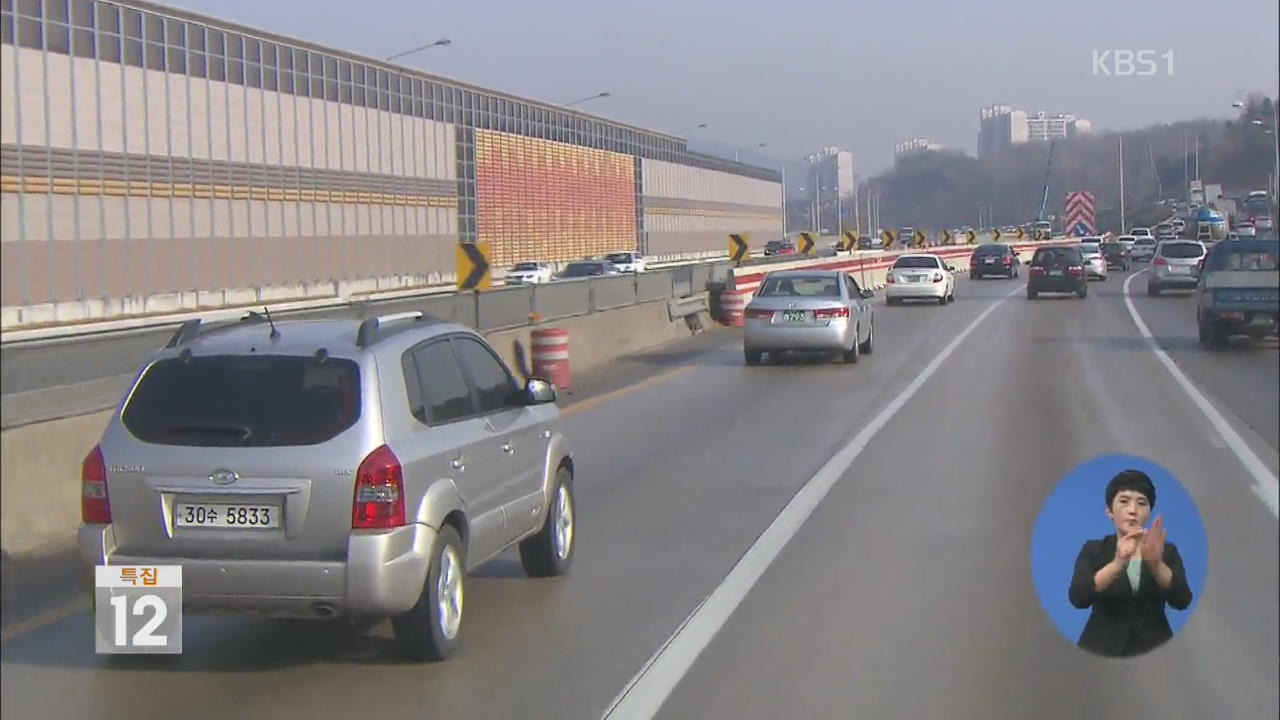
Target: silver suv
331,468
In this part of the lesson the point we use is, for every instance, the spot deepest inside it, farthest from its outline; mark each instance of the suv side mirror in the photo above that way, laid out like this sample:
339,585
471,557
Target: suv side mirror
539,392
951,268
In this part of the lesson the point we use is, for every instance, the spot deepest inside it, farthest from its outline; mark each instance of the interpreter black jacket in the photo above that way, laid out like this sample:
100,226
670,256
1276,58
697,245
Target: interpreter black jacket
1123,624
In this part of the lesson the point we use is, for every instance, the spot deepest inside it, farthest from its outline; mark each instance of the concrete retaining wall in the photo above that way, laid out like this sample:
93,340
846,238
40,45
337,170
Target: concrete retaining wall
40,463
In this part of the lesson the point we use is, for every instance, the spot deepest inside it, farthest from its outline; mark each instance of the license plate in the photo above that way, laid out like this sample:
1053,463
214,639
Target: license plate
226,515
917,278
795,316
989,261
1261,321
1055,273
1179,270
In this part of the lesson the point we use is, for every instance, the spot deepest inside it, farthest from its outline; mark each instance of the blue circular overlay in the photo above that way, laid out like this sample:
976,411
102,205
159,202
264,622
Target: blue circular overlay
1076,512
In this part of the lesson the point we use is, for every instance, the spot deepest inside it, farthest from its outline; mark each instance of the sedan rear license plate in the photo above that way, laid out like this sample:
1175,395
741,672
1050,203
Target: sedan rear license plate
1261,321
226,515
795,316
1056,273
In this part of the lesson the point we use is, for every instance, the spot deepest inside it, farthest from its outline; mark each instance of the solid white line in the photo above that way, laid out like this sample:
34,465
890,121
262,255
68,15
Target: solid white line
645,694
1265,484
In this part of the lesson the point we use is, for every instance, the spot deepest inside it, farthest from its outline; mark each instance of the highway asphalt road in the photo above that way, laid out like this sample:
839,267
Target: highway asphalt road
906,593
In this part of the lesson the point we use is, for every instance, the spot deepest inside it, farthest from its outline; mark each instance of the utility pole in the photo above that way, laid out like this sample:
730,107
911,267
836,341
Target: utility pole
1122,223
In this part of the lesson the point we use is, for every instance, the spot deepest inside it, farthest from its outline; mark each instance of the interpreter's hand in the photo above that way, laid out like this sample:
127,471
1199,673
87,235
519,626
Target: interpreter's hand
1153,544
1128,545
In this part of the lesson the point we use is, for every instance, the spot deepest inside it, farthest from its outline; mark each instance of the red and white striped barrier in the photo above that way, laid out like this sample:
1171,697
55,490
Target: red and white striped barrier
733,303
747,280
551,356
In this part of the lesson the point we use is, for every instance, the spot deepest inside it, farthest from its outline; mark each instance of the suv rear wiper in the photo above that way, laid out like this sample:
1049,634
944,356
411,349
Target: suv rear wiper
242,432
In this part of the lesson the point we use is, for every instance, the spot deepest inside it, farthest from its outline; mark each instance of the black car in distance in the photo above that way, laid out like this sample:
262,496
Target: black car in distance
993,259
1057,270
1117,255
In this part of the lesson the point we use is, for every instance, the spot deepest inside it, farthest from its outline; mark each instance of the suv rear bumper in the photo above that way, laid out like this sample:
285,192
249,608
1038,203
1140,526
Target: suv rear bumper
383,574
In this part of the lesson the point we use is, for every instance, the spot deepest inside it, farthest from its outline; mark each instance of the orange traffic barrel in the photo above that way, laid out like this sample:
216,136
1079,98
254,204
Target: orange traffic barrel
551,356
733,304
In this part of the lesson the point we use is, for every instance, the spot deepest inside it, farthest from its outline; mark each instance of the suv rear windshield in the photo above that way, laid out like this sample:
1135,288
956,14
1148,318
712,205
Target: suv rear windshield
244,401
916,262
1181,250
620,258
1145,240
991,250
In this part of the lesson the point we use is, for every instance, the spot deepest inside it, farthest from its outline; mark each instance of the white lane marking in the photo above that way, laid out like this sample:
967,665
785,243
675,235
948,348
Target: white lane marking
1265,484
645,694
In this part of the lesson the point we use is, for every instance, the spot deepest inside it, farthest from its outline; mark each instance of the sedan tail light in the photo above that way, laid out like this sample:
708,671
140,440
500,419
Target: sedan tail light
1161,261
758,314
1037,271
1008,260
888,279
830,313
937,277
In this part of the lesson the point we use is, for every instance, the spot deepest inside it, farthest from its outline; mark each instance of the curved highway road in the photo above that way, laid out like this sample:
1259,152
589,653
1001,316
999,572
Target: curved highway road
905,593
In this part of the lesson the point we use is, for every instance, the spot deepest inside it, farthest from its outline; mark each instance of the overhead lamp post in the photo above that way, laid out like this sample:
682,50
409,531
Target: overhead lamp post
604,94
439,43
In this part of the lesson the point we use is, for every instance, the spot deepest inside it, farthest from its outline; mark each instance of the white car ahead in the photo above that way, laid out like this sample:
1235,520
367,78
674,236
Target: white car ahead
920,276
627,262
529,273
1095,264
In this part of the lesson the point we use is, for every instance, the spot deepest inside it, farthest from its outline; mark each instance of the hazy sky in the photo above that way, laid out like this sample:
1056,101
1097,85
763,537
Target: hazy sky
802,74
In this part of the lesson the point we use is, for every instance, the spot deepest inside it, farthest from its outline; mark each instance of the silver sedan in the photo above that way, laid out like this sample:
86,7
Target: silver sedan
809,310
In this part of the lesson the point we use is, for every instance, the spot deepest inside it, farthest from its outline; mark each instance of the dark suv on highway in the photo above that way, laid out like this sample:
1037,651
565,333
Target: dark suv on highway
1057,270
993,259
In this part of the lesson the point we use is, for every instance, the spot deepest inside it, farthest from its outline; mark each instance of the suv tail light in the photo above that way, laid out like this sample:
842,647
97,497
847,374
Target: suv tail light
1076,271
829,313
95,507
1008,260
1161,261
379,494
1036,270
758,314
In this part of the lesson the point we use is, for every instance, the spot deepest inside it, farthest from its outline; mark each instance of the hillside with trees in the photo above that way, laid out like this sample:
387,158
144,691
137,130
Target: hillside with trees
945,189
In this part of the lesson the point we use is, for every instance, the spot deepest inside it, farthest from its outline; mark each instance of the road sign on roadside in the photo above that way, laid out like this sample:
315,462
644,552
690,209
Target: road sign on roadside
805,246
947,237
971,237
1020,234
738,248
888,237
850,242
473,269
995,234
920,238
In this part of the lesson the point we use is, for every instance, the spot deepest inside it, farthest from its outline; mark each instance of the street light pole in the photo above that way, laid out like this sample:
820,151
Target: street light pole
439,43
604,94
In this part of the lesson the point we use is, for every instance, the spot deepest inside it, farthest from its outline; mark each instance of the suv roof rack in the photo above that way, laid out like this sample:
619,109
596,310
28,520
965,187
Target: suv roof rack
377,328
190,329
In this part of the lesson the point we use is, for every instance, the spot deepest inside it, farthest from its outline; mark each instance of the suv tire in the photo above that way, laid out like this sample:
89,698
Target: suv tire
424,631
550,552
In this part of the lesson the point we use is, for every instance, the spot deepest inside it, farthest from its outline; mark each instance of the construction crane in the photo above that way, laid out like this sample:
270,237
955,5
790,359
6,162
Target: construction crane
1044,198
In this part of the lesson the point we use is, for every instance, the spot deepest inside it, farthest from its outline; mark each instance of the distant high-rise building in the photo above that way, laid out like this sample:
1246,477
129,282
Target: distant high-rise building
1044,127
1000,126
912,148
831,172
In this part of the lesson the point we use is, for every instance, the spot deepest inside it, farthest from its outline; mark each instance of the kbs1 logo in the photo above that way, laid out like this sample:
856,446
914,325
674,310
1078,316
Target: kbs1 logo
1131,63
